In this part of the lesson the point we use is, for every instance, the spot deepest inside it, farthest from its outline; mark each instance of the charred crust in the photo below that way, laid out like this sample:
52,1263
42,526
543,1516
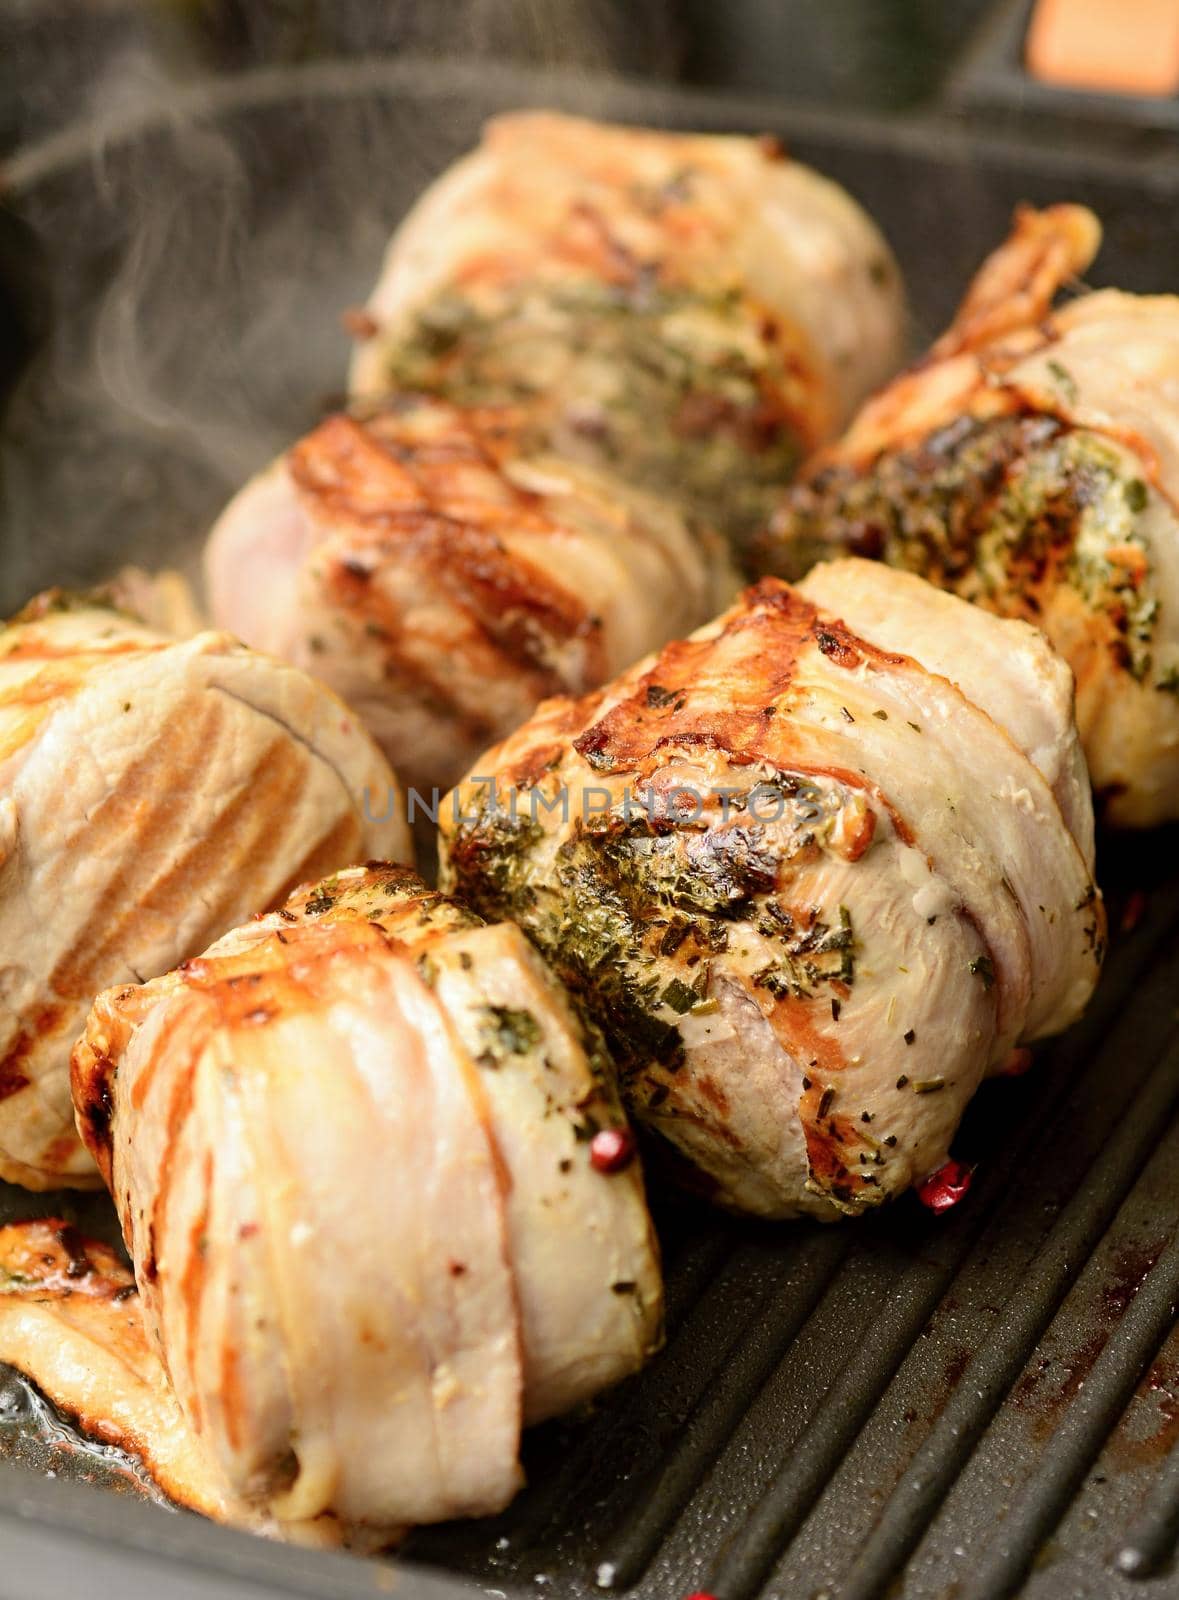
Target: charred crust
518,609
98,1106
73,1242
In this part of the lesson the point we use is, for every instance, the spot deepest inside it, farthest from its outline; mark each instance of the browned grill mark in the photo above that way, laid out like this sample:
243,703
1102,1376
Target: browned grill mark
709,1089
192,1284
243,830
12,1080
340,843
419,484
44,688
766,635
232,1400
183,1043
519,612
39,1025
59,1151
754,657
32,646
131,808
272,977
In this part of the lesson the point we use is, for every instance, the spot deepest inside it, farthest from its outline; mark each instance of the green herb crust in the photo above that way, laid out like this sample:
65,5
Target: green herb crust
507,1031
689,395
633,915
999,511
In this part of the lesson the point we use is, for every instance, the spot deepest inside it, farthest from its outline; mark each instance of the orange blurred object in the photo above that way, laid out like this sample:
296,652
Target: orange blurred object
1116,46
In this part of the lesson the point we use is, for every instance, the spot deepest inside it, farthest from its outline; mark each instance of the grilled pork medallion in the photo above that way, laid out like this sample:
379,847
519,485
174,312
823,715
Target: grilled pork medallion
443,582
152,793
693,312
1031,463
371,1067
813,888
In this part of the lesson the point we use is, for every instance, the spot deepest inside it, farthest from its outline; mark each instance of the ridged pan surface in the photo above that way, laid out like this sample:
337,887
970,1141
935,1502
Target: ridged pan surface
941,1409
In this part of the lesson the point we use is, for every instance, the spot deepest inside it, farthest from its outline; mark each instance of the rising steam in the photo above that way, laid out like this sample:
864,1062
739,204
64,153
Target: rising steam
199,241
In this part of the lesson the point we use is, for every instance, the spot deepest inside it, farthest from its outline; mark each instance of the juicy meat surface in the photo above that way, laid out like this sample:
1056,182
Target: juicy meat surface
369,1076
1031,464
694,312
152,793
443,581
70,1321
811,889
1007,669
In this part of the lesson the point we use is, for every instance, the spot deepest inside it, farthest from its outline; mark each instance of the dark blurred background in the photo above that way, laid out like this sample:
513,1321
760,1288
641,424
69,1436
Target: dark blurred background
62,61
886,56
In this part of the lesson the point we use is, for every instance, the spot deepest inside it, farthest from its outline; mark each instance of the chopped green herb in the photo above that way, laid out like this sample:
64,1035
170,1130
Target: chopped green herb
1064,380
678,996
507,1031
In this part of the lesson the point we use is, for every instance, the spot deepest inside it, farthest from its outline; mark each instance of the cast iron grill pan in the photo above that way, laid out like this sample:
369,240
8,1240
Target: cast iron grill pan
974,1406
